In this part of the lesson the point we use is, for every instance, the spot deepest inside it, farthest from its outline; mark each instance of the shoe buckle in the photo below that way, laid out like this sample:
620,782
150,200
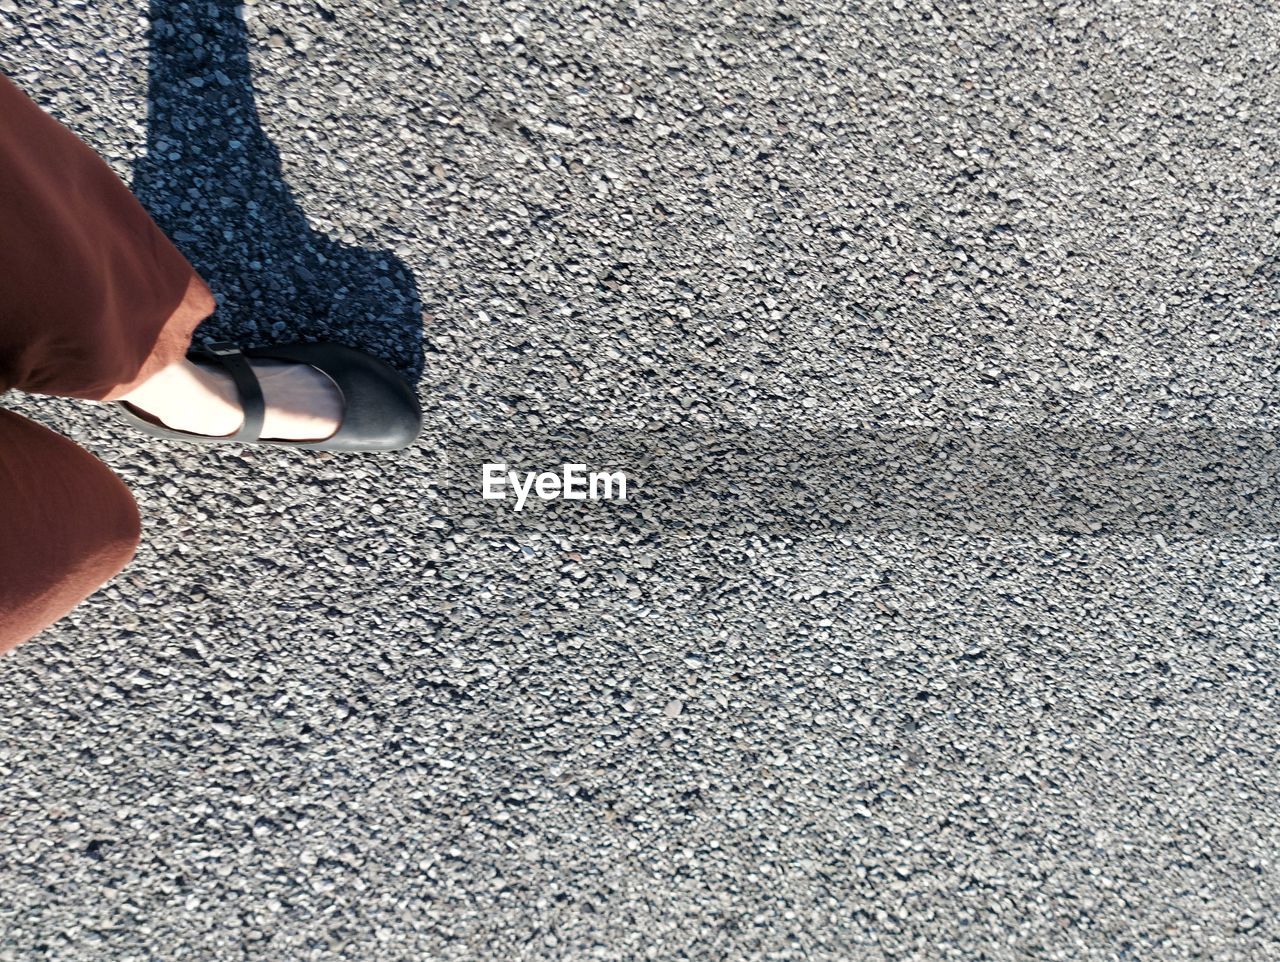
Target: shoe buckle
222,348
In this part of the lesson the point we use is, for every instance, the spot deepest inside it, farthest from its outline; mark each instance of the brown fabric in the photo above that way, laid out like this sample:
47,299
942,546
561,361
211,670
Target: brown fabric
93,300
69,525
93,297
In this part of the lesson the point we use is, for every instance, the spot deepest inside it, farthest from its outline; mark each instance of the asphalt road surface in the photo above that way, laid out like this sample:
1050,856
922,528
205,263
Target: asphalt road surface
939,344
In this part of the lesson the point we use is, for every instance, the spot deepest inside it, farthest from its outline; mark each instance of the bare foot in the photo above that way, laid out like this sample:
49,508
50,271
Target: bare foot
302,403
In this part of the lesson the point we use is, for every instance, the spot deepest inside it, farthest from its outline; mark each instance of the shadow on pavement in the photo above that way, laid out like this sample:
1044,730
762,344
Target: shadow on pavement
213,181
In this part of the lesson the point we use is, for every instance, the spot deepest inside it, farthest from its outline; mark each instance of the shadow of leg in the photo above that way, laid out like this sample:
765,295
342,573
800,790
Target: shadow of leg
212,180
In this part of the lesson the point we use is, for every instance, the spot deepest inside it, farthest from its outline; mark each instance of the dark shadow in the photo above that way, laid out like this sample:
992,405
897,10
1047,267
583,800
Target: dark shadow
212,181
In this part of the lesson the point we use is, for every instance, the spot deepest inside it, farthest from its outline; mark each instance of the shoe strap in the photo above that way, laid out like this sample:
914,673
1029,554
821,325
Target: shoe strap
234,362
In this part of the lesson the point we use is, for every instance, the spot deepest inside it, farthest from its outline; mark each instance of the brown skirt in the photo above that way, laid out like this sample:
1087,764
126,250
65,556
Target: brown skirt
94,299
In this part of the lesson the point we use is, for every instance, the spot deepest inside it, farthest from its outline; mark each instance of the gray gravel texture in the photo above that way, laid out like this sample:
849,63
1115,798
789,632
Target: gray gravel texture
342,708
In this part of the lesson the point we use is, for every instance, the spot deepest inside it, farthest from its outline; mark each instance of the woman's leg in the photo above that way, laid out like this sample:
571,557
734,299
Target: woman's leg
94,299
96,303
67,525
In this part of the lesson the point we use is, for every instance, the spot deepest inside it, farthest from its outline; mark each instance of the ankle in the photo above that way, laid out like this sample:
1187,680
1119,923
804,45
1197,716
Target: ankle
188,396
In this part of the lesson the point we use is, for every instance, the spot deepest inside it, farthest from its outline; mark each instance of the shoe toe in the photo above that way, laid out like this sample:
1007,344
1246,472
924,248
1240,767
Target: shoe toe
382,410
380,407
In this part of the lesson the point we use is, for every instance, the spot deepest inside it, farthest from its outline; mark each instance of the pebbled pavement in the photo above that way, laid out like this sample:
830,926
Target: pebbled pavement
940,341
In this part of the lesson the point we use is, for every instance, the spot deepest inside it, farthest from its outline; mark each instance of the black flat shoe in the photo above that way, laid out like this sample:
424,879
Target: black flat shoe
379,408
